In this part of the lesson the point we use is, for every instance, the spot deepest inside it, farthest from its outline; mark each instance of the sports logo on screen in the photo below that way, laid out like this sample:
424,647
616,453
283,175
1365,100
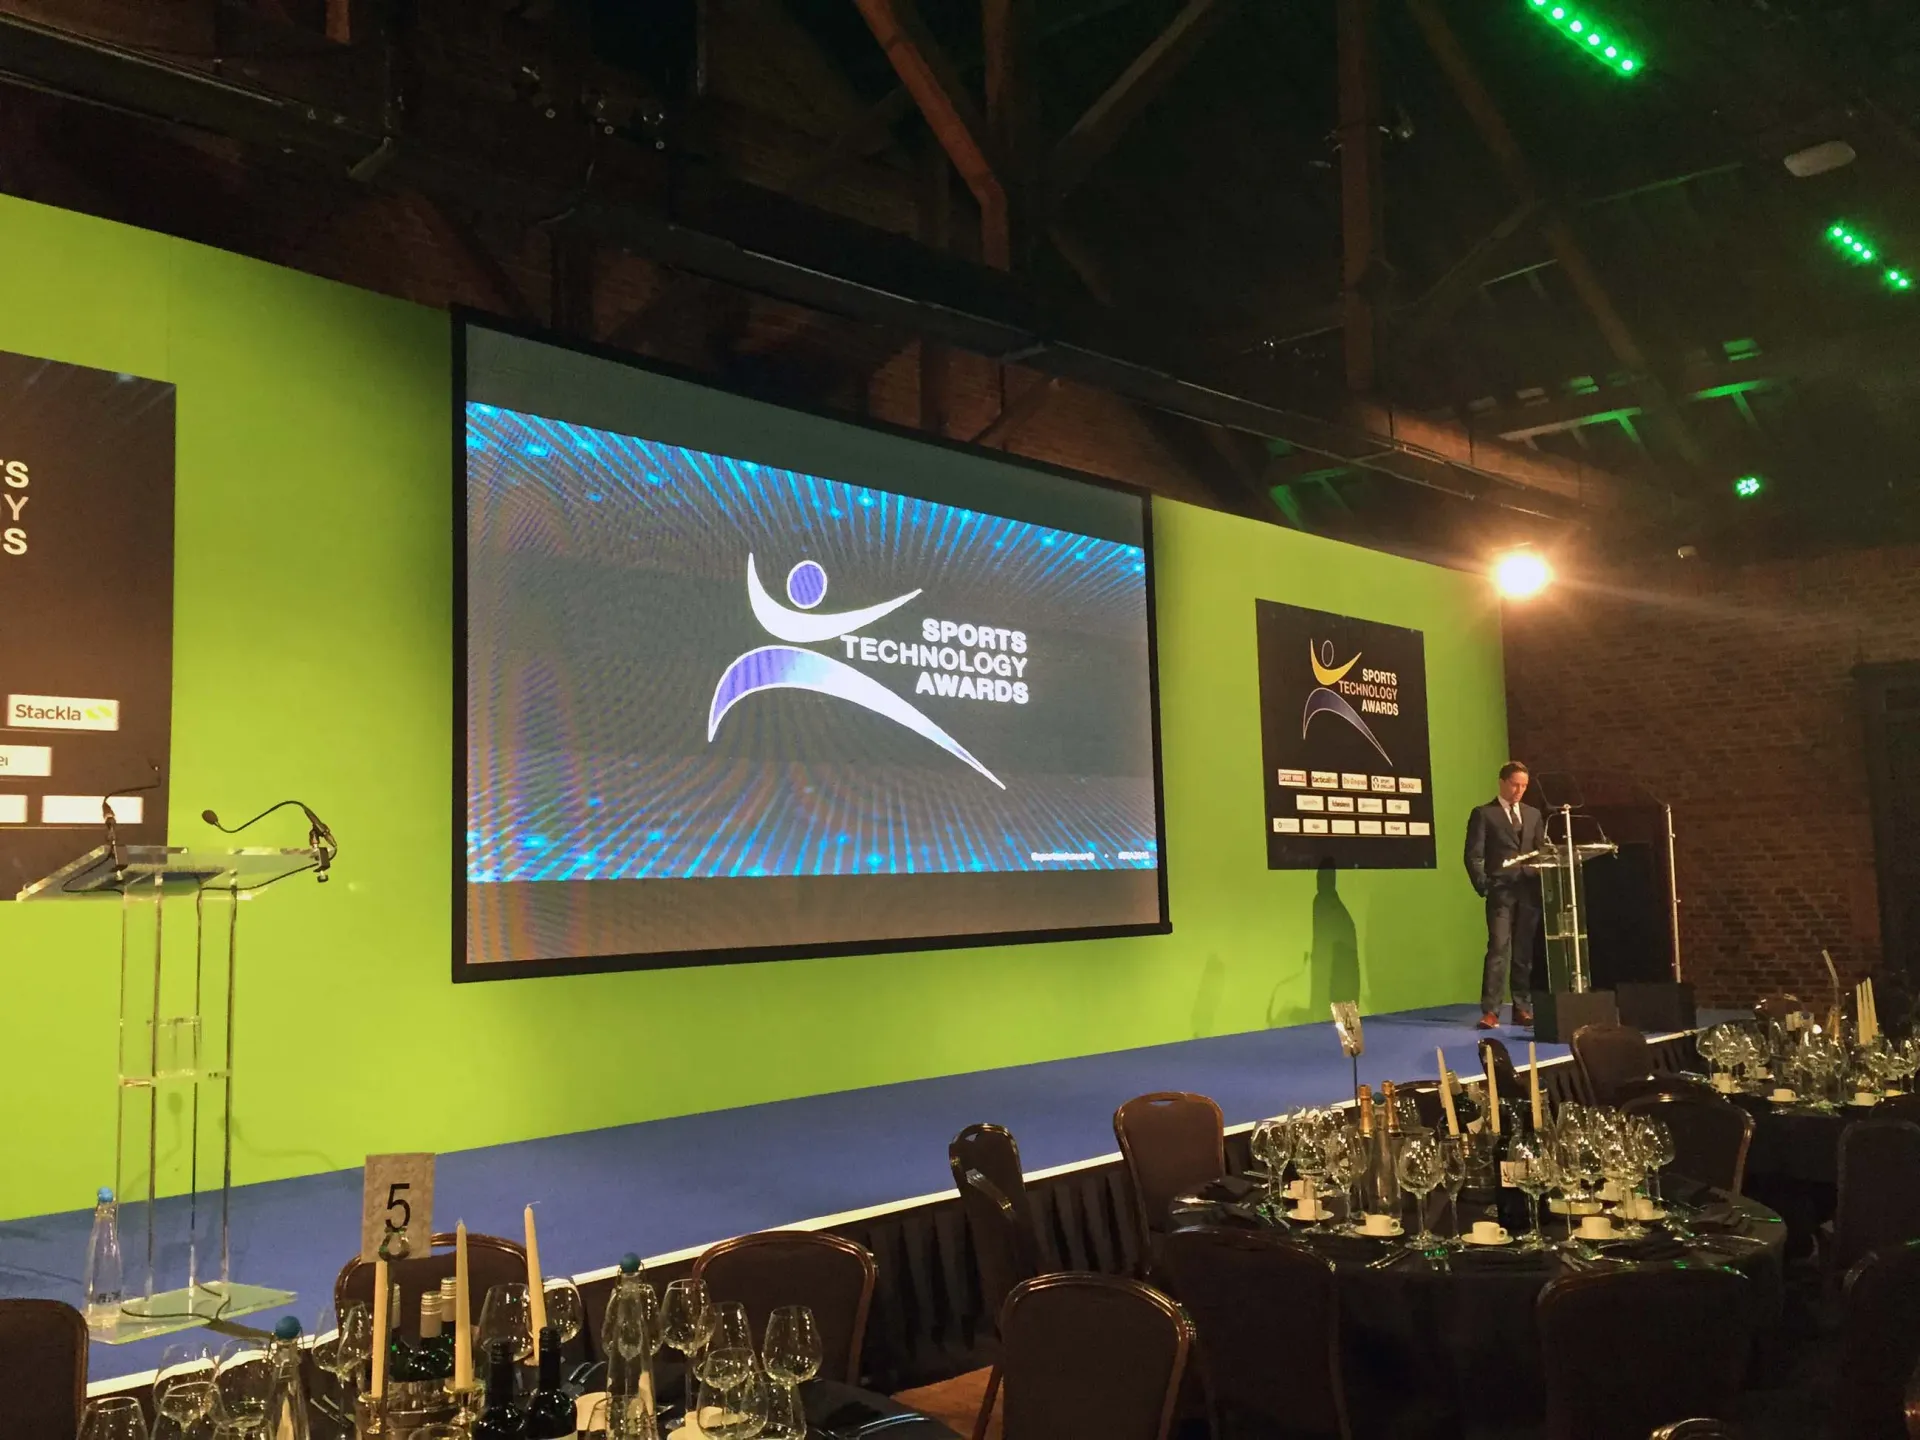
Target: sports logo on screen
788,667
1326,700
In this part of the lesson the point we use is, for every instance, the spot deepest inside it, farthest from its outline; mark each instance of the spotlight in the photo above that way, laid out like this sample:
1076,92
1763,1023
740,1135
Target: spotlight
1521,573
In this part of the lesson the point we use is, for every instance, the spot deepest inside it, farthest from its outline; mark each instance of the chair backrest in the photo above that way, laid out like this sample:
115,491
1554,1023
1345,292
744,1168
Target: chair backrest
830,1274
991,1150
1266,1318
1628,1350
491,1260
1710,1135
1879,1200
1609,1056
1696,1429
1879,1344
1173,1144
43,1369
1089,1355
1899,1107
1003,1245
1663,1084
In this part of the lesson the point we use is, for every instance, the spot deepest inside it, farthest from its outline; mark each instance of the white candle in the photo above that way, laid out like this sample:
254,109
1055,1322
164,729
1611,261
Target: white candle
380,1292
536,1296
462,1312
1533,1080
1446,1093
1493,1098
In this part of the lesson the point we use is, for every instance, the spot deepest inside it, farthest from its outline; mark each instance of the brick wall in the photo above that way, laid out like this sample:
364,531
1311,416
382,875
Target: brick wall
1726,691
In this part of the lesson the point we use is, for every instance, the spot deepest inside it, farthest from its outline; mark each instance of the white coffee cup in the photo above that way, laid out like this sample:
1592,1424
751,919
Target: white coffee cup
1781,1095
1489,1232
1309,1210
1596,1227
1377,1224
1865,1097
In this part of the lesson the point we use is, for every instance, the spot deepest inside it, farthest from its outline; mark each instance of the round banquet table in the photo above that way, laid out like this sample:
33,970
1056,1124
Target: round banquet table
1451,1349
1793,1163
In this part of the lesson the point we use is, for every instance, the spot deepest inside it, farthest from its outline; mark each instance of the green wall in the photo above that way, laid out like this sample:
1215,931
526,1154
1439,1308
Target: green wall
313,441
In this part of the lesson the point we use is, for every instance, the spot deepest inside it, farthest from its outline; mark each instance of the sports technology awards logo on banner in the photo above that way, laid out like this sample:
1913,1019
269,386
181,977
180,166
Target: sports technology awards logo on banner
1344,741
778,667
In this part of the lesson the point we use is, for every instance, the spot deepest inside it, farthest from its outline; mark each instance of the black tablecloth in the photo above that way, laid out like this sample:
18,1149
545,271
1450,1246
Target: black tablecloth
1452,1351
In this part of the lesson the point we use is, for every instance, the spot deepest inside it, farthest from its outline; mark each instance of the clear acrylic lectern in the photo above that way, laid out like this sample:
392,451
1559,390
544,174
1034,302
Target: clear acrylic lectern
1563,902
175,1083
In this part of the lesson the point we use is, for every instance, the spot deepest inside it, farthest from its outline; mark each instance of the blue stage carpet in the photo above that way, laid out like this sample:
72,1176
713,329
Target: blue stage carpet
667,1185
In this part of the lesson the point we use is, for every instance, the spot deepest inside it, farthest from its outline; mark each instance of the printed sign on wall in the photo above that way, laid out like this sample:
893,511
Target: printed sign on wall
86,592
1343,731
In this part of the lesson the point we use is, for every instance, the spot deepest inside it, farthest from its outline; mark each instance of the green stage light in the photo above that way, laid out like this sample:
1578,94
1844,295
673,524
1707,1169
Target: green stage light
1748,486
1583,28
1899,280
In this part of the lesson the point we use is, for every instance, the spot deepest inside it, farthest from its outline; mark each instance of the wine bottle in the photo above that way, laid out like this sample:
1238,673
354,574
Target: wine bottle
550,1412
403,1360
500,1418
1383,1180
435,1355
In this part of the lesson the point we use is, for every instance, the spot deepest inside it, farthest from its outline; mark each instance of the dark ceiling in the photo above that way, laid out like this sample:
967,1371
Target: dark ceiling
1618,271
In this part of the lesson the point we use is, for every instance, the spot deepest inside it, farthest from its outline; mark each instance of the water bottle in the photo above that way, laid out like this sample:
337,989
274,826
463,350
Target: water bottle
286,1397
627,1337
102,1278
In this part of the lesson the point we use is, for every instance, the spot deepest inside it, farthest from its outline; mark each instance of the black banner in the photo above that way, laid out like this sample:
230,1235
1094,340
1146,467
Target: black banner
86,586
1343,731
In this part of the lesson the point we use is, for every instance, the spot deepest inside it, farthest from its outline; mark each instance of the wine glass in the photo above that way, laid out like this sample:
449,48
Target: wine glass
506,1317
793,1350
1453,1177
732,1400
728,1336
686,1320
113,1417
1270,1148
786,1416
1530,1166
242,1380
1419,1171
1309,1129
183,1385
1344,1162
1619,1161
565,1312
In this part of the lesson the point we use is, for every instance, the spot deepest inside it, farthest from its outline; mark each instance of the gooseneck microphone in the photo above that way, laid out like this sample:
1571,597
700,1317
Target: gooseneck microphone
319,837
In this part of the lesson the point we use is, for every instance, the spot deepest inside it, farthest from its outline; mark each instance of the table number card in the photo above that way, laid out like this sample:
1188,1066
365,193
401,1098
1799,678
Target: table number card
397,1200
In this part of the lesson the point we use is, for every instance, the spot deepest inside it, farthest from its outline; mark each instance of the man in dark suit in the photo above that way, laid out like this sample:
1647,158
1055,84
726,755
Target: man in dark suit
1496,832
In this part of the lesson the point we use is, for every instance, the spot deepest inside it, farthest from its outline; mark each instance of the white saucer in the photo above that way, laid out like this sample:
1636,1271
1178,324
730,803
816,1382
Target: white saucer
1656,1213
1471,1239
1297,1213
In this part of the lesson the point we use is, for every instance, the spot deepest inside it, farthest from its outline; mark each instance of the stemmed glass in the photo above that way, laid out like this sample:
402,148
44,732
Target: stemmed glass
506,1317
565,1312
1419,1170
1271,1147
242,1380
1309,1129
1530,1164
1654,1142
1453,1177
732,1401
113,1417
729,1334
686,1322
1619,1162
1344,1162
183,1385
786,1416
793,1350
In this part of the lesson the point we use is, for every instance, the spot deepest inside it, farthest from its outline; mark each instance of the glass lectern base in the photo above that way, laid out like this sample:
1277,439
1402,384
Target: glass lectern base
169,1310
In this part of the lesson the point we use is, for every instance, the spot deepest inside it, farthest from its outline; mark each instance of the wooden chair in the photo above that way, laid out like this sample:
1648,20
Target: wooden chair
1087,1355
1611,1057
1879,1345
491,1260
1173,1144
1711,1136
43,1369
1879,1194
829,1274
1266,1316
1625,1351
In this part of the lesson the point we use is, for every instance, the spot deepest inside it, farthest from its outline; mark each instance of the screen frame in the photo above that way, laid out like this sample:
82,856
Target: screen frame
465,972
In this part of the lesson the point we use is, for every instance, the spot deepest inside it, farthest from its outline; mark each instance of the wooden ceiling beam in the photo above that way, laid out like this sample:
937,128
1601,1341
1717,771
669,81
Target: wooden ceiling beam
1097,131
937,89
